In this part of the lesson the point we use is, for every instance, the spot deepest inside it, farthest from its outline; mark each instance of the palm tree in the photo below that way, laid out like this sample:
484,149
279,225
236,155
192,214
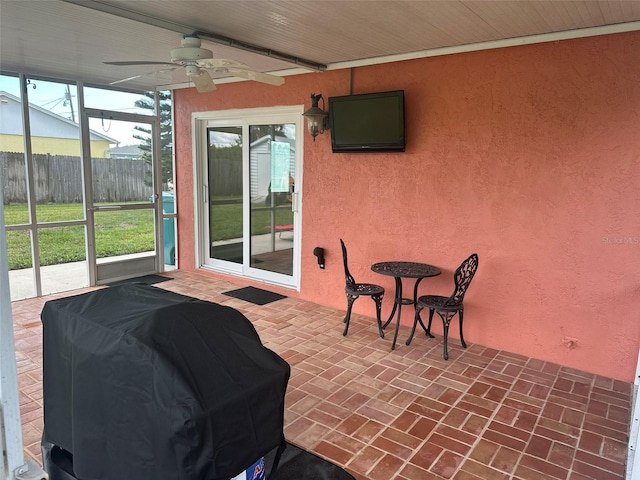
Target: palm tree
166,139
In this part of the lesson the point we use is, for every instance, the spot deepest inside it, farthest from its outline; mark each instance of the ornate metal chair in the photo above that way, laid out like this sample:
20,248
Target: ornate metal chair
447,307
354,290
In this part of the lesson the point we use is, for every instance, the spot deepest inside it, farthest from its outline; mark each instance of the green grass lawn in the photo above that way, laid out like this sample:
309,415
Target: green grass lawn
227,218
117,232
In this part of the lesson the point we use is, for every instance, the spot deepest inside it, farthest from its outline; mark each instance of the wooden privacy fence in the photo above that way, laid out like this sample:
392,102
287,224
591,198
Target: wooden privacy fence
58,179
225,177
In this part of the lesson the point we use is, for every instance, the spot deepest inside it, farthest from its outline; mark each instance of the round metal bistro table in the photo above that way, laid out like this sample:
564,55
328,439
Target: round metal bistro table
400,270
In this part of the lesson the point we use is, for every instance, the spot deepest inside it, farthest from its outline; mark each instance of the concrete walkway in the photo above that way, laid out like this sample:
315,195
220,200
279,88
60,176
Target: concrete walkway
55,278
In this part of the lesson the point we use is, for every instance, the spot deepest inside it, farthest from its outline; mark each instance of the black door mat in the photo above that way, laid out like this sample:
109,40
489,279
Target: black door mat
298,464
254,295
145,279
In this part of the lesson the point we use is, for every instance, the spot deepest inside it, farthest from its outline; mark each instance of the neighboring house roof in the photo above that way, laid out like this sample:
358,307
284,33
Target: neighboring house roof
126,151
42,122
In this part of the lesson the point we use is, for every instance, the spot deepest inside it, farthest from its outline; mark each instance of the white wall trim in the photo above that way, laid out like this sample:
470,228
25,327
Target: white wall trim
509,42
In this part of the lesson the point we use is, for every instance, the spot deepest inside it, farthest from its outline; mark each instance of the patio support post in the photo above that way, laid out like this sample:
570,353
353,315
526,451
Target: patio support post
12,462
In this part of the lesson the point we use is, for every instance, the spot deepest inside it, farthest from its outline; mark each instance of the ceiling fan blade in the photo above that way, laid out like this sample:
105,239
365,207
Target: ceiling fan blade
148,74
203,82
127,79
220,63
257,76
123,64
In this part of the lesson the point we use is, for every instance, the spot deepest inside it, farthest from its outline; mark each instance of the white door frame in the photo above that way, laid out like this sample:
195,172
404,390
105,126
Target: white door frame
244,117
119,268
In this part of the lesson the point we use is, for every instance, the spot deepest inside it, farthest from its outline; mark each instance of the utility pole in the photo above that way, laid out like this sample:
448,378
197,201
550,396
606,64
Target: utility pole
68,98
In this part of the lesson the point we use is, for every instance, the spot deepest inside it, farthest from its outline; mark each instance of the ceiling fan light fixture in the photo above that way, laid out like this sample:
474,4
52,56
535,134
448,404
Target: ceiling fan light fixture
192,71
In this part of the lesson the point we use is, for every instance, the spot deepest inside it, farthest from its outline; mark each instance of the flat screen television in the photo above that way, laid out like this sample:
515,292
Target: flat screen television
370,122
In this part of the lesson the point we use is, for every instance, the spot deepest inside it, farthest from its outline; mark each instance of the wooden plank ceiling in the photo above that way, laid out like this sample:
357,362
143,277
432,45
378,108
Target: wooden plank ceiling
70,39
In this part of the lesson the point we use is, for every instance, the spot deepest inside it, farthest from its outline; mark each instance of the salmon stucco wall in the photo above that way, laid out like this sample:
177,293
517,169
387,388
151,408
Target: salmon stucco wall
528,155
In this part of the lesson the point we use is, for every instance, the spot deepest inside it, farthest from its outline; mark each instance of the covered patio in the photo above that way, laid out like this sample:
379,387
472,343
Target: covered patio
521,145
403,414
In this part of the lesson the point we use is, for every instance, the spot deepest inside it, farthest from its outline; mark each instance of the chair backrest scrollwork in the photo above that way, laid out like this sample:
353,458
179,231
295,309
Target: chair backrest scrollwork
462,277
349,280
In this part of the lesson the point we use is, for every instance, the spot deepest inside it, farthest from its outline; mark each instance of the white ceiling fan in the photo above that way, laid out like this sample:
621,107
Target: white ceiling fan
197,61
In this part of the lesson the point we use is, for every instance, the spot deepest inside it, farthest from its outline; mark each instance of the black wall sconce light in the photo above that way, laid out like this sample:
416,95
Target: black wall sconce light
317,118
319,252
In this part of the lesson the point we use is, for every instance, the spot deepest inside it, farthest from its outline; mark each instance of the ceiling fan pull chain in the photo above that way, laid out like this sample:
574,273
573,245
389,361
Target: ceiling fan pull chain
102,121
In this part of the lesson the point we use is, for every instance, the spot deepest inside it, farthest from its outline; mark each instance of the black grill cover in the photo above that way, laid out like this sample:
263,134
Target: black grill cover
141,383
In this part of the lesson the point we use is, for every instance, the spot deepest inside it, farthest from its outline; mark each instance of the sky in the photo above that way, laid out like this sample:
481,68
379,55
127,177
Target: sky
55,97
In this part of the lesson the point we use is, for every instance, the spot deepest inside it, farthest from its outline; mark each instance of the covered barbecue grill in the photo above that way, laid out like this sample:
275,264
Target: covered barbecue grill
141,383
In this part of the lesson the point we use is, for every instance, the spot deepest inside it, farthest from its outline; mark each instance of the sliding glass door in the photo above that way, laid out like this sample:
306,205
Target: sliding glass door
249,168
224,180
272,175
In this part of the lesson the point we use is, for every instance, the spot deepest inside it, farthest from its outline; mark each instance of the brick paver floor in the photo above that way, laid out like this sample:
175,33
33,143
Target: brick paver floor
407,413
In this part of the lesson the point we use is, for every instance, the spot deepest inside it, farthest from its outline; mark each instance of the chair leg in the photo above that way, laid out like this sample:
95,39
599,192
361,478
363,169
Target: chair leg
431,310
416,319
460,314
347,317
446,321
378,300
